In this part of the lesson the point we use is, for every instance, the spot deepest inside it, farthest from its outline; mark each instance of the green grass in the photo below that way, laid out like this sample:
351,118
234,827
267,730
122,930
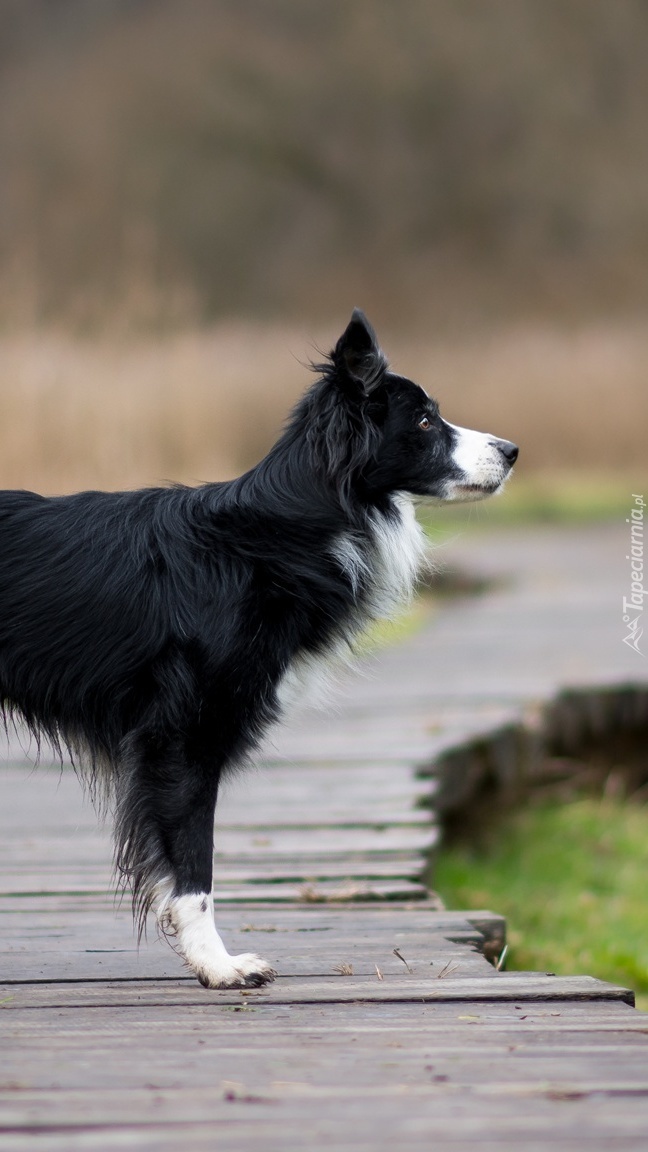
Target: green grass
571,881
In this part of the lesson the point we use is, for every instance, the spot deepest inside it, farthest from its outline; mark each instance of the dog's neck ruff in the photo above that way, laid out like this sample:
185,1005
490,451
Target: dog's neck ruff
382,561
400,546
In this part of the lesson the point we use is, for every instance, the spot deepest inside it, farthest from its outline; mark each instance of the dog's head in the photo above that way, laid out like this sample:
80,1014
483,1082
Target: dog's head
415,450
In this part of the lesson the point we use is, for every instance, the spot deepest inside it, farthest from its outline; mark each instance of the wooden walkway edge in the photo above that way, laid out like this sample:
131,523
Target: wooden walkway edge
388,1026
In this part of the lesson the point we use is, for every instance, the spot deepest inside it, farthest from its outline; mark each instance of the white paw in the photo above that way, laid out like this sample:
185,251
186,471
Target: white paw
189,923
244,971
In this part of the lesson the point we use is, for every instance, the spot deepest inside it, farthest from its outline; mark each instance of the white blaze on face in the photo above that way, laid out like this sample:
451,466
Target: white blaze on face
483,466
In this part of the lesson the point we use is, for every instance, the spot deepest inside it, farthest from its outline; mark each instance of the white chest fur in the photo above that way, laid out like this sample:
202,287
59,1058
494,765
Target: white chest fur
382,564
399,550
385,559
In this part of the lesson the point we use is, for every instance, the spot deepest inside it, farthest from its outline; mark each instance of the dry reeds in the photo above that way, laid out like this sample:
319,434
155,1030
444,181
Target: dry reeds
205,405
193,407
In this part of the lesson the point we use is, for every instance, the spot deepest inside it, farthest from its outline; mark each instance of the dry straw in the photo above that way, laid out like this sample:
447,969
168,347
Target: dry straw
205,405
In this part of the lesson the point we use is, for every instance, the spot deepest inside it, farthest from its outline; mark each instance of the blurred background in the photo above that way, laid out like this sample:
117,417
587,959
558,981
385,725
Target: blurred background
193,196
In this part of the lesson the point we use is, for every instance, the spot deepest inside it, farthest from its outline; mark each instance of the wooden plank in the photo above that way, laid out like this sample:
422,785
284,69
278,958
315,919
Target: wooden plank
323,962
448,1023
296,871
21,857
261,841
576,1015
333,792
333,1111
308,892
79,916
59,910
351,1131
229,869
516,987
251,931
86,950
580,1072
246,1133
412,715
278,796
97,963
460,1039
99,1107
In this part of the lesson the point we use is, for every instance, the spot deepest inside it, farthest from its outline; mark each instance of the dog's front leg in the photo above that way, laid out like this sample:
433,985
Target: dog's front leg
185,908
165,839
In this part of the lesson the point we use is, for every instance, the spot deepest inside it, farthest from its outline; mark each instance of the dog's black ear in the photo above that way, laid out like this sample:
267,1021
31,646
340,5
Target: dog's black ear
358,356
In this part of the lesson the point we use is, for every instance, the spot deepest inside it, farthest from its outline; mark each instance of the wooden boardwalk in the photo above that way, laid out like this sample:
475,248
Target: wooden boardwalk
387,1026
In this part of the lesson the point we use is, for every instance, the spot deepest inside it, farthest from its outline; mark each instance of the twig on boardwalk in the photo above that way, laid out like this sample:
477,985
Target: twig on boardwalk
401,957
447,970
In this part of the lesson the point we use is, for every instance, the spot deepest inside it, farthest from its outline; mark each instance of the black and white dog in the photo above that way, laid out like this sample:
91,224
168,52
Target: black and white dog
157,634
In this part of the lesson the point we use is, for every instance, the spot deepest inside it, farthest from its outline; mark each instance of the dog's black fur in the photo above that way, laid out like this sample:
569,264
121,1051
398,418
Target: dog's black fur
148,632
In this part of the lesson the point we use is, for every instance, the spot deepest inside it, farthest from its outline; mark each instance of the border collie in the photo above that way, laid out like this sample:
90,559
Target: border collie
157,634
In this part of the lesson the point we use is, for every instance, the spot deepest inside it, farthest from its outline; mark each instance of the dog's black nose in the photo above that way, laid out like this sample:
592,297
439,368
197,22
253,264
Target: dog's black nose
509,451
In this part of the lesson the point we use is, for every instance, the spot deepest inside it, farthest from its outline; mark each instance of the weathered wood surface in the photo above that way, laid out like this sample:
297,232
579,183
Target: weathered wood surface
424,984
351,1075
318,863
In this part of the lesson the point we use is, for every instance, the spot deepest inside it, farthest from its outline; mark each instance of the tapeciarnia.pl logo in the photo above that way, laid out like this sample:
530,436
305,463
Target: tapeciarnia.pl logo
633,605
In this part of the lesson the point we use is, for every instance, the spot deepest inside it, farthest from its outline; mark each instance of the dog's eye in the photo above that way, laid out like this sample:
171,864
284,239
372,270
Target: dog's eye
425,424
